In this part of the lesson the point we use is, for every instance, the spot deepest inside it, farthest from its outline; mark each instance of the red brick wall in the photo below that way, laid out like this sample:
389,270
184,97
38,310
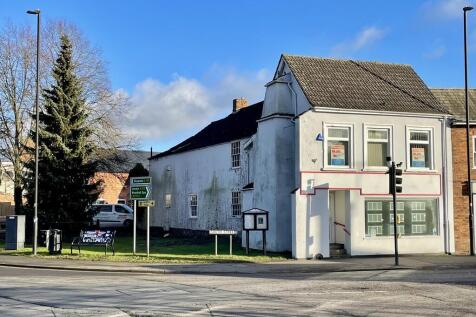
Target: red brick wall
460,197
115,186
7,205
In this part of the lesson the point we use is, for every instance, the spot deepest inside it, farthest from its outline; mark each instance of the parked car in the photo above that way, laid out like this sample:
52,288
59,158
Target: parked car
113,216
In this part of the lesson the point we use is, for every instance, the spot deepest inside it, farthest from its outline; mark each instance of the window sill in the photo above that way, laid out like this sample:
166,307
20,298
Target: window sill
336,168
403,237
375,169
192,217
235,168
423,170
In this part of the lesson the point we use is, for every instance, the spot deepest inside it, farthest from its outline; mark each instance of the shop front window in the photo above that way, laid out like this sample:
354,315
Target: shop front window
414,217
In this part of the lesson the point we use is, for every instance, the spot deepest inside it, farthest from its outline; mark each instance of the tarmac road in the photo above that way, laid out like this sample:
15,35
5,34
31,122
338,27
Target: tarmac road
46,292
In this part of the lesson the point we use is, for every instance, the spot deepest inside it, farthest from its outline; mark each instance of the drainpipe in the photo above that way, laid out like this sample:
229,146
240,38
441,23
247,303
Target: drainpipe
446,224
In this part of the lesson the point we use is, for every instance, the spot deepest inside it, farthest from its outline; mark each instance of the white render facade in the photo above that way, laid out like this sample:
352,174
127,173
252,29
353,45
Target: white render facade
319,172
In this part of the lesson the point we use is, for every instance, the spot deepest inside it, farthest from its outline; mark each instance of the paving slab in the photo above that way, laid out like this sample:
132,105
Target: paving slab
374,263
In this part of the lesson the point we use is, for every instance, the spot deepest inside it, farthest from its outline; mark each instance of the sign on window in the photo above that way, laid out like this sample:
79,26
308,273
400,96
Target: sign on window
418,157
337,154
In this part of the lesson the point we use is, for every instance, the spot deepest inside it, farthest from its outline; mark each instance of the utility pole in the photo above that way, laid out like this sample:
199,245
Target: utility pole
470,194
35,217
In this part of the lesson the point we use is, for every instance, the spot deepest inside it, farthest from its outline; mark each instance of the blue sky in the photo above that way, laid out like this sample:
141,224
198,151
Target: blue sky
182,62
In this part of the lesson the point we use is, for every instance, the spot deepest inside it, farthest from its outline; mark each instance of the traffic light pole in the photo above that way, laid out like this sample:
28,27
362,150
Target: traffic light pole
394,194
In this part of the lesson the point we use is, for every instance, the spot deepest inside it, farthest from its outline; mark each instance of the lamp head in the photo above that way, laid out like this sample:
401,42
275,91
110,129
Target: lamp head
35,12
468,8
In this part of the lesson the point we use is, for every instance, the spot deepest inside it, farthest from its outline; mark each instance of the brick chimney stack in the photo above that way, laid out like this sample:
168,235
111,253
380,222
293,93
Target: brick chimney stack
239,103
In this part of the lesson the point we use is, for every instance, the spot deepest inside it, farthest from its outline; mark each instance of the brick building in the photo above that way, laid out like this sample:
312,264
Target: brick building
114,175
453,100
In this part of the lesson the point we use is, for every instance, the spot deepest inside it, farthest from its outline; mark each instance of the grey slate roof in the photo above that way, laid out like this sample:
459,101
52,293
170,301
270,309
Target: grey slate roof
122,161
358,85
453,100
237,125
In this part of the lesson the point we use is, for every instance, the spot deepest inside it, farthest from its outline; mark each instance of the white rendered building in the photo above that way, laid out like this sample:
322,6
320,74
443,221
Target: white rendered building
313,154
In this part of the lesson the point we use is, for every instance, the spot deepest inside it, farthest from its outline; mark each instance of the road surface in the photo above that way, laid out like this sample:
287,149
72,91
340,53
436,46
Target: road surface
45,292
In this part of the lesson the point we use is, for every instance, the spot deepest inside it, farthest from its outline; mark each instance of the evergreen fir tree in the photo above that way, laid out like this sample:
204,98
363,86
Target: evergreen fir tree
66,150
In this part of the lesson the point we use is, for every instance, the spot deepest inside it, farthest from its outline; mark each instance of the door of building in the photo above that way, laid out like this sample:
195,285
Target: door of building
337,217
332,210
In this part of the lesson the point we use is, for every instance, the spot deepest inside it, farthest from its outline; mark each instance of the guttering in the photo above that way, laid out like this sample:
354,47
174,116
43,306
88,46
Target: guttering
462,123
376,112
446,224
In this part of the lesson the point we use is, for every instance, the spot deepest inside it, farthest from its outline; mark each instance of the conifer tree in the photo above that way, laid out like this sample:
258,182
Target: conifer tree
65,165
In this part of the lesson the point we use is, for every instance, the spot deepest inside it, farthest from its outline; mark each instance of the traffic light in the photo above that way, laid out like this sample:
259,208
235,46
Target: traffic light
398,179
395,177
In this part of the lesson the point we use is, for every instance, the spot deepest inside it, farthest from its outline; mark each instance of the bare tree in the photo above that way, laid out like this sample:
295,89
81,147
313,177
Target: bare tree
17,80
16,88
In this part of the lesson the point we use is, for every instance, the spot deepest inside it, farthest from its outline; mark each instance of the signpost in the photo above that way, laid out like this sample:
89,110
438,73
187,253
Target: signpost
217,233
255,219
140,191
146,203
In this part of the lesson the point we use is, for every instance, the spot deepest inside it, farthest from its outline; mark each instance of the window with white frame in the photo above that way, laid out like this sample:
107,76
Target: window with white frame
338,146
193,203
374,205
378,146
235,154
236,203
414,217
420,148
400,205
168,200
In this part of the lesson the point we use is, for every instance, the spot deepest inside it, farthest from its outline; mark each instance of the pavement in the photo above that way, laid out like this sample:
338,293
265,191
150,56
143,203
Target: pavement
373,263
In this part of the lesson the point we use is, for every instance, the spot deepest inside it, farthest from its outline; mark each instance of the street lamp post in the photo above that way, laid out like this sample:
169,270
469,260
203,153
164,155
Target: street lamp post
35,217
470,194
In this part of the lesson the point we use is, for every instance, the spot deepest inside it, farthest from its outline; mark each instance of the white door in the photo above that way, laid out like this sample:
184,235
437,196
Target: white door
332,217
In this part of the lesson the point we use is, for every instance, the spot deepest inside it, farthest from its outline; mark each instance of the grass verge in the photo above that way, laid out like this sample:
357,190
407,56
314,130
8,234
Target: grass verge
162,250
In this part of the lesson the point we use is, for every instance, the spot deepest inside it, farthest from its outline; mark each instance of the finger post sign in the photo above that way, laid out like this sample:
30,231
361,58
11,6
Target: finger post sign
141,190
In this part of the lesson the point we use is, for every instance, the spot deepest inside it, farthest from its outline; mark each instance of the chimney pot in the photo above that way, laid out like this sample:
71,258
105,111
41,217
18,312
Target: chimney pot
239,103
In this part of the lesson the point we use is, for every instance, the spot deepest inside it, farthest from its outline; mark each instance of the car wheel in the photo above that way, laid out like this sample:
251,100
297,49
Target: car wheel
127,223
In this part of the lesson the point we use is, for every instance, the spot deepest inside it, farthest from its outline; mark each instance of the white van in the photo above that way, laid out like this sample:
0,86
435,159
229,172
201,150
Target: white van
113,216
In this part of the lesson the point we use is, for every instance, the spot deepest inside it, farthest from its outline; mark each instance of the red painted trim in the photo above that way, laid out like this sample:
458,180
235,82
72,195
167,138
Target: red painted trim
304,193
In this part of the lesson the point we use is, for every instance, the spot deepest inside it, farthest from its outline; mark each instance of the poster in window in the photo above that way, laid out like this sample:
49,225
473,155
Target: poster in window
338,154
418,157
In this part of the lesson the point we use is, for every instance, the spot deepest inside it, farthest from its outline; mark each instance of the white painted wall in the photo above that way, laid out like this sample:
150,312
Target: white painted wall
274,166
359,183
206,172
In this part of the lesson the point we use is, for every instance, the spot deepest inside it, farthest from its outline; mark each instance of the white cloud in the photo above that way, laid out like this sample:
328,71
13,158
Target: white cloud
444,9
366,37
160,110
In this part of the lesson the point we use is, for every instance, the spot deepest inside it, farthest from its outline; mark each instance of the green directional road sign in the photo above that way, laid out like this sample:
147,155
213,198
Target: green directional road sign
140,192
137,181
141,188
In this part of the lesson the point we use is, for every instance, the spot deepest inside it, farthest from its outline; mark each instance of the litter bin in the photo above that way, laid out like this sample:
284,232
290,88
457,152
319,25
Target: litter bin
53,240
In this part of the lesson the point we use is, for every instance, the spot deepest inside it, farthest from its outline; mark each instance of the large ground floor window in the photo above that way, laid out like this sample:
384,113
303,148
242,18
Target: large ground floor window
415,217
